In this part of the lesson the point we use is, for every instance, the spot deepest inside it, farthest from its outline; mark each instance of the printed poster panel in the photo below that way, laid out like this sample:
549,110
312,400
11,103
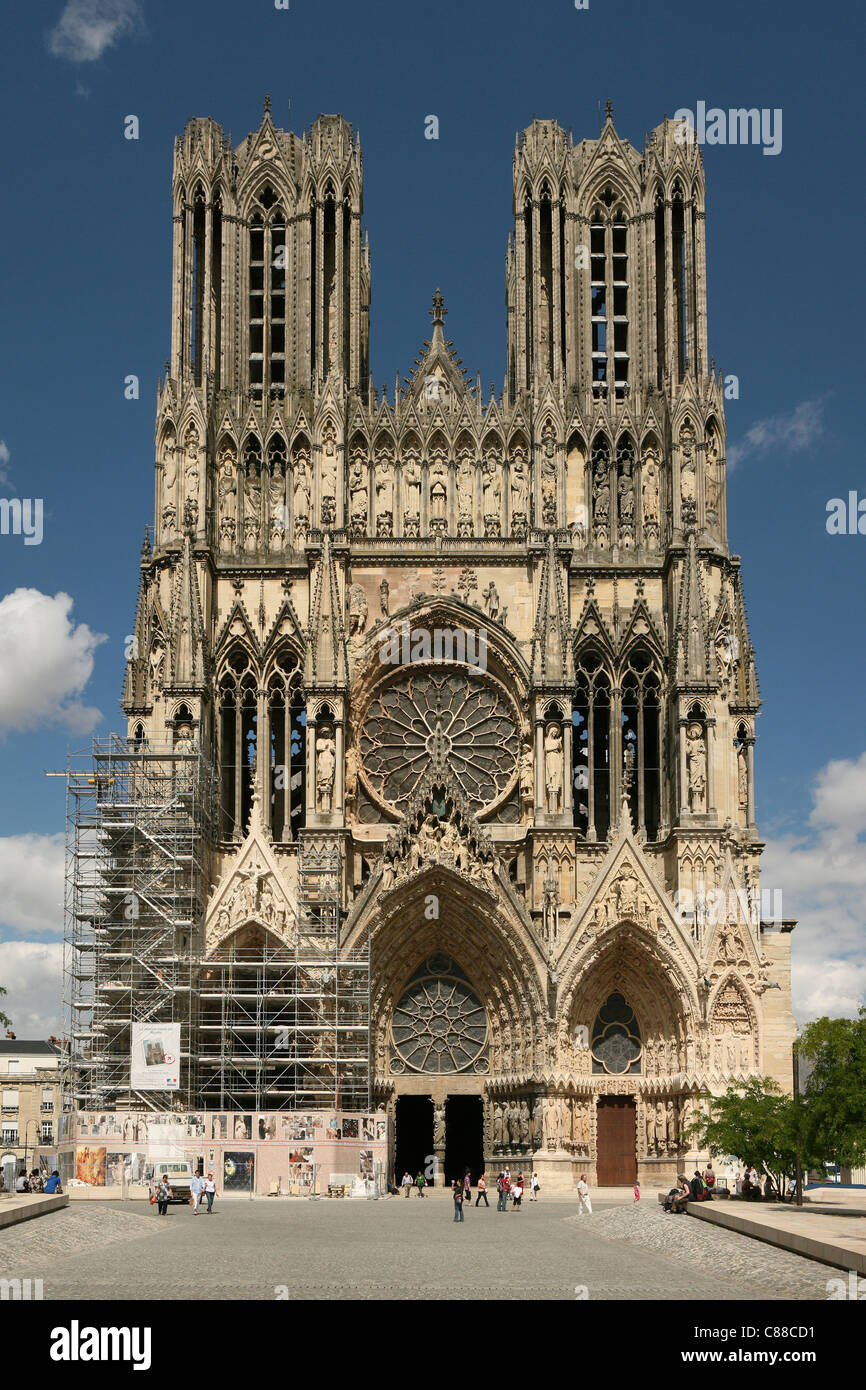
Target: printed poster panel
155,1061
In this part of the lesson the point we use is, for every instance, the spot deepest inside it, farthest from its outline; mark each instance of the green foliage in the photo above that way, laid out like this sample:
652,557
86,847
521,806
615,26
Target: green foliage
836,1089
758,1124
4,1021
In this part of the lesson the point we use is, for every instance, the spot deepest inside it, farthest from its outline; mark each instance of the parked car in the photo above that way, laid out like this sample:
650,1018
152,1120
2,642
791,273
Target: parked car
180,1174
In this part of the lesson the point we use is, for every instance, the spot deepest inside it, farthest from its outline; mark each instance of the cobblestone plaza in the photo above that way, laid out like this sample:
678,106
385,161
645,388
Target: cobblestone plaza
399,1249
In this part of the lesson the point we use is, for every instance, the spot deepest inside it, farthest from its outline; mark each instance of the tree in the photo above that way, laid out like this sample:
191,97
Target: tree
835,1099
759,1124
4,1021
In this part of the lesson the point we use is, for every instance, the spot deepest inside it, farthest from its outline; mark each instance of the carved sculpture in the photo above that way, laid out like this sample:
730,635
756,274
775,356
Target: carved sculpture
553,767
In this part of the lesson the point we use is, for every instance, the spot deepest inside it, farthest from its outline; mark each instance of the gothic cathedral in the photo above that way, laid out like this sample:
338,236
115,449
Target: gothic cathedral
472,671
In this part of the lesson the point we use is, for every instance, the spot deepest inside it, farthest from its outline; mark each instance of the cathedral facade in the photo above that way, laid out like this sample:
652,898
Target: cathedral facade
487,653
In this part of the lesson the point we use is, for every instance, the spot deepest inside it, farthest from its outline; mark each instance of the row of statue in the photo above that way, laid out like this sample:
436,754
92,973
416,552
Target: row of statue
262,508
554,1123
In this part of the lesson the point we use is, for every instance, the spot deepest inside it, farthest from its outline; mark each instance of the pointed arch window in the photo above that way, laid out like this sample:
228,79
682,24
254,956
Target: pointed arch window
287,738
591,748
641,742
238,742
267,298
609,290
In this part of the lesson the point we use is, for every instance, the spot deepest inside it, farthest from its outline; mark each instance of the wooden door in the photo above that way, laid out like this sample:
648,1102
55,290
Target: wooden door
616,1164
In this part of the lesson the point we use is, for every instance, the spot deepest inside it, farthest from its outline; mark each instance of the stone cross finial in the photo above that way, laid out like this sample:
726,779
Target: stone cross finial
438,312
608,110
267,103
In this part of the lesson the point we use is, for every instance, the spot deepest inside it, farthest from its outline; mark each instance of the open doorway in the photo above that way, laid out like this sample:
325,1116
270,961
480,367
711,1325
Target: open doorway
413,1135
464,1137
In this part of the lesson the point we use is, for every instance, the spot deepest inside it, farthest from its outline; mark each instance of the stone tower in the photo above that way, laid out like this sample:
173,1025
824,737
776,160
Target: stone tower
490,652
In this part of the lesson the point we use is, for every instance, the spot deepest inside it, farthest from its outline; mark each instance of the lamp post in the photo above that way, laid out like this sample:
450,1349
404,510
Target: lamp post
27,1125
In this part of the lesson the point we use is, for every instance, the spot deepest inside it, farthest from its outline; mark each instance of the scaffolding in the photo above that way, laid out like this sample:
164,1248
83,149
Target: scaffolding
290,1028
264,1025
140,819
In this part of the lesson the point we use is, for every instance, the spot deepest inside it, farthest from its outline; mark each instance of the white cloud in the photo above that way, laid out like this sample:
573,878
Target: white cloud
31,973
31,882
793,432
822,875
47,662
87,28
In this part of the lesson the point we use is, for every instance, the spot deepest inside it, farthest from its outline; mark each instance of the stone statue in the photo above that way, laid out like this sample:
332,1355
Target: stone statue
649,1120
465,488
650,490
524,1123
358,496
439,1126
438,495
553,767
357,609
527,775
549,1119
384,592
519,485
743,780
672,1127
490,599
384,497
329,464
326,764
497,1127
492,493
696,764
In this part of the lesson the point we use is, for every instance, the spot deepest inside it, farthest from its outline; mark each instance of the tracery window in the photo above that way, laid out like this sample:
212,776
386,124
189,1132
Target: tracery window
609,276
287,730
616,1039
472,718
641,742
591,748
267,297
439,1025
238,737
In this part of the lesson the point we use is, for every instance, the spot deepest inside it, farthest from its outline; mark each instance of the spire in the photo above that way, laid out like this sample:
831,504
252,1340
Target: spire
267,103
692,629
437,314
608,110
551,649
187,659
326,643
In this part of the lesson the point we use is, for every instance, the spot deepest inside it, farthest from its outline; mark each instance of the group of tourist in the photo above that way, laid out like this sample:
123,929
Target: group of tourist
696,1189
32,1182
508,1188
199,1187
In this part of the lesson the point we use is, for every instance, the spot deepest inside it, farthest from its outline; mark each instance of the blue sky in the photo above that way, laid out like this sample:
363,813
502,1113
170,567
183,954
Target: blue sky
84,299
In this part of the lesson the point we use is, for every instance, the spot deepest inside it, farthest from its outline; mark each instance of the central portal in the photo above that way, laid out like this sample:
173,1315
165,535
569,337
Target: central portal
617,1165
464,1137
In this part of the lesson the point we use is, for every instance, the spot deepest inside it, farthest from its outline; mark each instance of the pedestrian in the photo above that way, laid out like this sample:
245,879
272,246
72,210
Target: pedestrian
583,1199
534,1188
163,1195
636,1190
457,1190
35,1181
697,1188
517,1192
21,1183
482,1191
467,1187
406,1183
678,1196
196,1188
209,1191
420,1183
502,1189
53,1183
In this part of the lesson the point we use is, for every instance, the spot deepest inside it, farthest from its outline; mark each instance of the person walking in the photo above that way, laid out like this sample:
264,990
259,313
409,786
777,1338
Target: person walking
517,1192
502,1189
163,1195
420,1183
637,1189
196,1188
467,1188
534,1188
406,1183
584,1203
457,1190
209,1191
482,1191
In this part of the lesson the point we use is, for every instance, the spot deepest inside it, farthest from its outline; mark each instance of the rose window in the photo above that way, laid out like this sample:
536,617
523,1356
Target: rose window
469,717
439,1024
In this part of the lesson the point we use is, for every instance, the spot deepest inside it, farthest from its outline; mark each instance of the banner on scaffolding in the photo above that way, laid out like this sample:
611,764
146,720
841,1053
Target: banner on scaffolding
155,1061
